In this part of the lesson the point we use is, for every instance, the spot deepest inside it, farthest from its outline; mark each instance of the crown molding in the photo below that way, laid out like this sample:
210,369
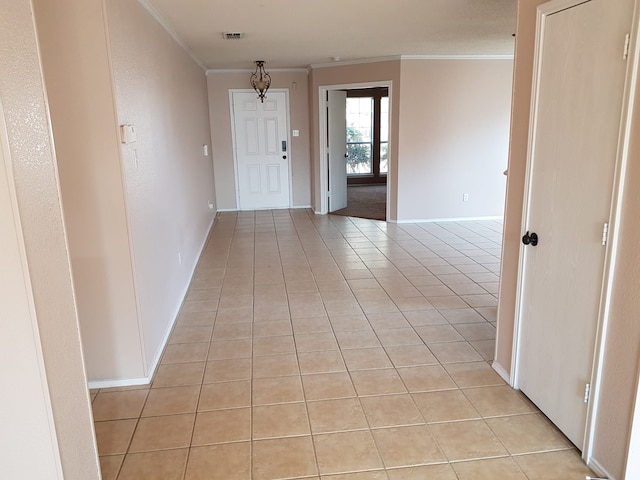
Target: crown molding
409,57
214,71
355,62
456,57
163,23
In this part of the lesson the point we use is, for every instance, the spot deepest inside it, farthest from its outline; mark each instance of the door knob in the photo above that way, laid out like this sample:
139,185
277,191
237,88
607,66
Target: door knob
346,155
530,239
284,157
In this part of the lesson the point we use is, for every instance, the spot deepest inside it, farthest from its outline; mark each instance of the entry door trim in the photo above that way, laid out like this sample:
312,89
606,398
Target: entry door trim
233,139
323,178
631,81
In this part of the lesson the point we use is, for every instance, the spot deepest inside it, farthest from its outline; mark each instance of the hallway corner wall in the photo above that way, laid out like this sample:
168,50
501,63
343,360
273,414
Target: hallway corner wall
45,290
137,214
77,74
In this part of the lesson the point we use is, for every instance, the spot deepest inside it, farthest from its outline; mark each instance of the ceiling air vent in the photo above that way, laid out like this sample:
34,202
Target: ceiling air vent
232,35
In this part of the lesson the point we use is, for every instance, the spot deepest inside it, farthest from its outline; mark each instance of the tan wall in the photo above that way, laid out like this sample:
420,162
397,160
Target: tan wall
454,137
622,349
160,90
355,74
219,84
136,226
75,60
633,461
50,291
446,139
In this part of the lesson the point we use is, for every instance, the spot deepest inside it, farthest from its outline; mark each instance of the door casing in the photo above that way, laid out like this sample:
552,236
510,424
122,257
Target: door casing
631,83
323,181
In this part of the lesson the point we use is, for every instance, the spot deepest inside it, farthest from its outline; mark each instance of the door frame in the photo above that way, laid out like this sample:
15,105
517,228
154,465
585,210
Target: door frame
322,135
233,141
621,163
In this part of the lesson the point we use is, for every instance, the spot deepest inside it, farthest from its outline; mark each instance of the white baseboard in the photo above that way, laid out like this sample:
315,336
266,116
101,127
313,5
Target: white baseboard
151,370
126,382
501,371
295,207
599,469
442,220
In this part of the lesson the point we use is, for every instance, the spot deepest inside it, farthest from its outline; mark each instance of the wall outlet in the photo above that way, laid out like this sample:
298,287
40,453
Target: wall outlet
210,204
465,197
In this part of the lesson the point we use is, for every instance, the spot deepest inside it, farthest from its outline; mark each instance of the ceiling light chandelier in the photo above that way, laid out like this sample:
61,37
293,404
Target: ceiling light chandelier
260,80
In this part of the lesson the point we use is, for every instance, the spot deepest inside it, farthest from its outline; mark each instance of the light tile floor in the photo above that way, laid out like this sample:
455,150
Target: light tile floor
333,348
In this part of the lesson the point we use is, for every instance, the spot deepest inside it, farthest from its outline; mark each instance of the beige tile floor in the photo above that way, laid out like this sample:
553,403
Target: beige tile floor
333,348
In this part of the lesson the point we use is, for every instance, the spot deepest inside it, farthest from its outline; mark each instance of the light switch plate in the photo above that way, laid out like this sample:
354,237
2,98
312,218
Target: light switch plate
127,133
296,133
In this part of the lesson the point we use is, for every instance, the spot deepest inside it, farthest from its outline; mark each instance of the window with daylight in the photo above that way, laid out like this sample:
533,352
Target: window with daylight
367,135
359,136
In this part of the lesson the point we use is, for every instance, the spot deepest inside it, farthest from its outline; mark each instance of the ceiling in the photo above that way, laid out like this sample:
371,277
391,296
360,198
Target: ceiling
299,33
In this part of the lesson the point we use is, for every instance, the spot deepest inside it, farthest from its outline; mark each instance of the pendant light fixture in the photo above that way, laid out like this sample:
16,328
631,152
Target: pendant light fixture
260,80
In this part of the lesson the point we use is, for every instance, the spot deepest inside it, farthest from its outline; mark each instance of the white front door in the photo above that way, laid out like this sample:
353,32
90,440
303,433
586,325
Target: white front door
579,90
337,148
261,150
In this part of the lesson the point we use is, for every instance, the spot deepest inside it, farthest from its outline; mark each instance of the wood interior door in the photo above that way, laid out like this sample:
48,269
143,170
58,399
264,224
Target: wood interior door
578,95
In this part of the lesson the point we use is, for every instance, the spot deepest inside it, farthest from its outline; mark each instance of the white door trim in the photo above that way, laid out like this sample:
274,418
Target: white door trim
323,180
630,92
631,82
233,140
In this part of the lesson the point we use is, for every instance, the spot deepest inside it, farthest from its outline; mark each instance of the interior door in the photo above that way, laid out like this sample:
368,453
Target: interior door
580,79
261,150
337,148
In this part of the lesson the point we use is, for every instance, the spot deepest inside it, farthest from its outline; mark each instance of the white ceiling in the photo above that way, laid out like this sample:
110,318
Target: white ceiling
298,33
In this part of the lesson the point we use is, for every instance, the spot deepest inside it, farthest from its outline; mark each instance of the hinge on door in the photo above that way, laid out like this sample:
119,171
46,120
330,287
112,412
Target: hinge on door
627,43
605,234
587,392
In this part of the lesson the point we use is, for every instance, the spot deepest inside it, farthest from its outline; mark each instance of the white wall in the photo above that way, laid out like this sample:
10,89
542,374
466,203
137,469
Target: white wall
41,369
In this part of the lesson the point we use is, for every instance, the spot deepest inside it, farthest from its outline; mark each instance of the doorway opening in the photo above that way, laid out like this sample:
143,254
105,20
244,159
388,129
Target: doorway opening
367,161
362,174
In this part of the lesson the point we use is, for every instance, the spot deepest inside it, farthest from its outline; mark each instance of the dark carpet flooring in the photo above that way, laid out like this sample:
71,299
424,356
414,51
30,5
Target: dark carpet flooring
366,201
